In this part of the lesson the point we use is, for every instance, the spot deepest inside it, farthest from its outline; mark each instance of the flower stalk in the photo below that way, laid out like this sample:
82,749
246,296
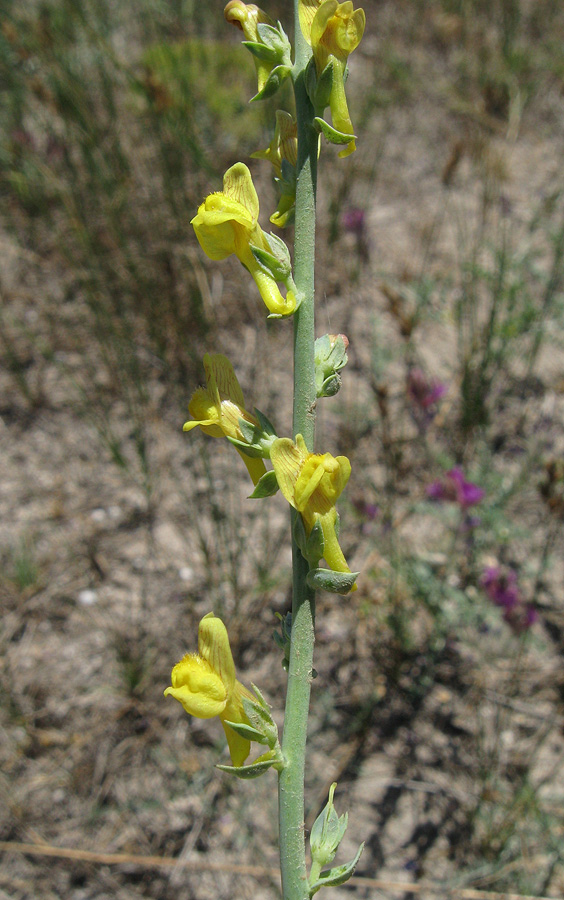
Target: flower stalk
291,779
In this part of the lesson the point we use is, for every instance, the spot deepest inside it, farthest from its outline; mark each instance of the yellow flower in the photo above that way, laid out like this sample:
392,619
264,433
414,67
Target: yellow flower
247,16
334,30
312,483
227,222
205,684
218,407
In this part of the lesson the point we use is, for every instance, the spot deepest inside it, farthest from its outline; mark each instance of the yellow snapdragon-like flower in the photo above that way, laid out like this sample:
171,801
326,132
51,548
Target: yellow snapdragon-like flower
218,407
205,684
247,16
227,222
334,30
312,483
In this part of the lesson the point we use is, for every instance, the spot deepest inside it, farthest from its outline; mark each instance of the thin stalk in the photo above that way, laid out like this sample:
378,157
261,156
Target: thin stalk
291,779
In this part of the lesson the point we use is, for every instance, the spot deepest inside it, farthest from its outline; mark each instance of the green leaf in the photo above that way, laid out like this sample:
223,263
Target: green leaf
328,580
276,38
332,135
254,770
311,80
262,51
300,535
266,425
324,87
273,265
315,545
337,875
249,450
275,79
247,731
330,386
265,487
248,430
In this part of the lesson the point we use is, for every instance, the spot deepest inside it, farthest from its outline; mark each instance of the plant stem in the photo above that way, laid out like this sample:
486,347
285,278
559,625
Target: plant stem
291,779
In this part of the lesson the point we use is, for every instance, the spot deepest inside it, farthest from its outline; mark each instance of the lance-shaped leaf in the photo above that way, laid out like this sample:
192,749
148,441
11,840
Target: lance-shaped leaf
337,875
261,51
266,486
332,135
273,82
254,770
334,582
277,39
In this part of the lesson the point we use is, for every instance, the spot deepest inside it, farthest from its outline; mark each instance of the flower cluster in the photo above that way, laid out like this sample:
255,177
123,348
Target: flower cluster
227,224
501,587
333,30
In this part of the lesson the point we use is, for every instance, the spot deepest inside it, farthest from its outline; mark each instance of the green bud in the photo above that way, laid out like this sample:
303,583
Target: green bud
327,832
330,357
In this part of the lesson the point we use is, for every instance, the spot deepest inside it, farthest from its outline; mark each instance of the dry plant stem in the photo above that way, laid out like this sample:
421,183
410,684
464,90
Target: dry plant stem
291,779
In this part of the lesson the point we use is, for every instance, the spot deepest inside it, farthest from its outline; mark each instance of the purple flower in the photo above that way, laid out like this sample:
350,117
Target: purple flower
354,220
454,487
422,391
501,587
367,511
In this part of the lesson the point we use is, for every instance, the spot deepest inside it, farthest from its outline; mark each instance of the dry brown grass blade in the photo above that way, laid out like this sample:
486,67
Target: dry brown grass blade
166,862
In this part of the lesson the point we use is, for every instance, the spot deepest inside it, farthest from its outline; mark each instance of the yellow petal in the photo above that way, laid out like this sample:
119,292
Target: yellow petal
239,747
307,10
320,20
313,471
204,405
213,646
255,465
246,17
332,552
221,224
197,687
238,185
287,460
221,374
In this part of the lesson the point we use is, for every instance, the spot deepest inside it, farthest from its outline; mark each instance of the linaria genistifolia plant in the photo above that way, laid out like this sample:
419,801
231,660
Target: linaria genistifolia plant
227,223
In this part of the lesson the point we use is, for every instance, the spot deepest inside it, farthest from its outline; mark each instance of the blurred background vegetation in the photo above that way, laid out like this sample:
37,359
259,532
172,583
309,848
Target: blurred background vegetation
441,256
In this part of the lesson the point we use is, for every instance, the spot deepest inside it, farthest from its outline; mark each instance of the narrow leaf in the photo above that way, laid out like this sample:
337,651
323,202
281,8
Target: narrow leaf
334,582
337,875
332,135
254,770
267,486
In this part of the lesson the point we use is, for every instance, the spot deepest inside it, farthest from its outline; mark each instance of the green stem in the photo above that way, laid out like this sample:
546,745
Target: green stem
291,779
